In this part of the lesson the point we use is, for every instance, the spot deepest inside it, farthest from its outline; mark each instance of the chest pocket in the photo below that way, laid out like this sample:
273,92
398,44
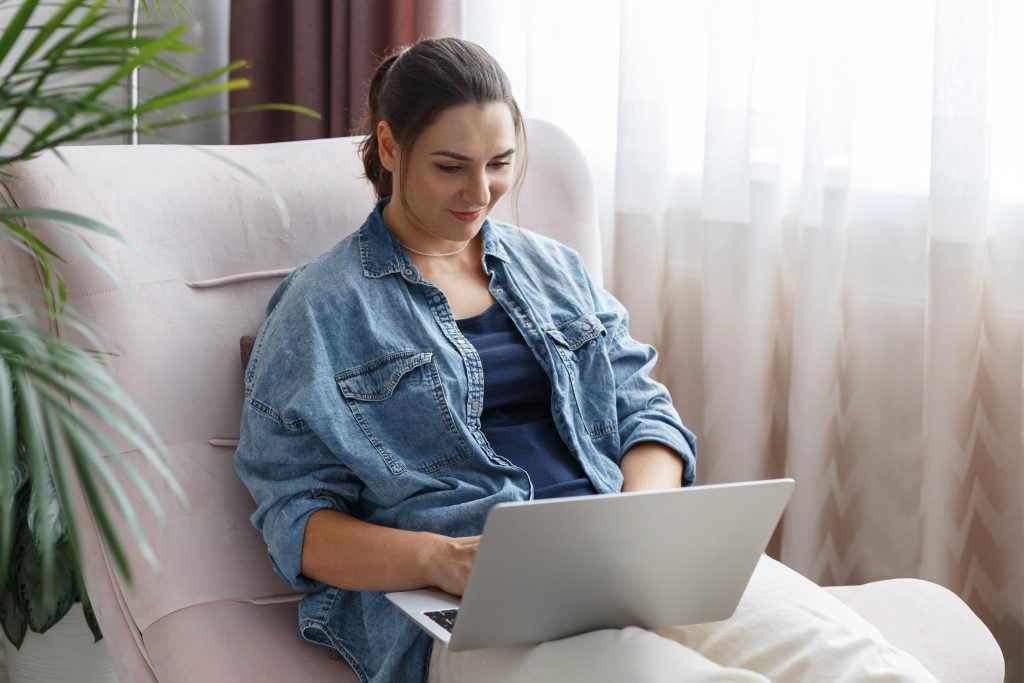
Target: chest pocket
582,344
399,403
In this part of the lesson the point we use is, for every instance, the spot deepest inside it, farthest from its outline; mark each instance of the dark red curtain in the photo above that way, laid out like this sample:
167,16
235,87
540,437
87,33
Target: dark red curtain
319,54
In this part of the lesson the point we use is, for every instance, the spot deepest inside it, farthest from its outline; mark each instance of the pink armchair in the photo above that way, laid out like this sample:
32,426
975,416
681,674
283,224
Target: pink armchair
210,243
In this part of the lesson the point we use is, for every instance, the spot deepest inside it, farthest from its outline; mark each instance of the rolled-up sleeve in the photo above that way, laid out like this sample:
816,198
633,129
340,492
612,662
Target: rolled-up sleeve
290,475
643,405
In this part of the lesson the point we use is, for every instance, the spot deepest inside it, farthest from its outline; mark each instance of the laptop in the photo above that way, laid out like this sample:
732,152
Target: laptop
548,569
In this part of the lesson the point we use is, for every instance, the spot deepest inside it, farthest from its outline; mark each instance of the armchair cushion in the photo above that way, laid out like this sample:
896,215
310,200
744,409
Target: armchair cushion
245,344
931,623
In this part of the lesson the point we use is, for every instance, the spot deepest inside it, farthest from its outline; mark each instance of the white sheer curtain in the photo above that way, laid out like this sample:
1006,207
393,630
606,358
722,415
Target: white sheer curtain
815,210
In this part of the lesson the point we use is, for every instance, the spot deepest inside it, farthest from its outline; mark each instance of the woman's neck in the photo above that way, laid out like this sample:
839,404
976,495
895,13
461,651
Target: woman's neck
418,241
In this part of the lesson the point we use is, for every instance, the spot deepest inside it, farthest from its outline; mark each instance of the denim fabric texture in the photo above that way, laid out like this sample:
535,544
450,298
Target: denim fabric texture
362,396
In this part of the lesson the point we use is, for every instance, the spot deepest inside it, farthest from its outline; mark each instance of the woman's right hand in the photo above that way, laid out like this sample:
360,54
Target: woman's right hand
448,561
355,555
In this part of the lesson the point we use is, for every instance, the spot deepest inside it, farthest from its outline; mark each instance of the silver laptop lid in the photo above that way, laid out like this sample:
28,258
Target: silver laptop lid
554,568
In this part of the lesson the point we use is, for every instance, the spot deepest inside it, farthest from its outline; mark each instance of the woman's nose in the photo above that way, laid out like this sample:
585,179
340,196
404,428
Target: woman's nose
477,190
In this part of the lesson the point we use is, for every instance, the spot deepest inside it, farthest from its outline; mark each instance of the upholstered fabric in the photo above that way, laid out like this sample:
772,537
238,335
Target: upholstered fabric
928,620
254,643
212,232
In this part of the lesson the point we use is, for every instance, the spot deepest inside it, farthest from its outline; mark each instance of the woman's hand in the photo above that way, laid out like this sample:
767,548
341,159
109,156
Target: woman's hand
349,553
448,560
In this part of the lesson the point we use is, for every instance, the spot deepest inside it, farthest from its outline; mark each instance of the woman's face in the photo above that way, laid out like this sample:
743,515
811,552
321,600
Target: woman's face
456,171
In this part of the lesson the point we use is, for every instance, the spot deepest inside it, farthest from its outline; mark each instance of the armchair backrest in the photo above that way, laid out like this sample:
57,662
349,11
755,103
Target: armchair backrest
212,231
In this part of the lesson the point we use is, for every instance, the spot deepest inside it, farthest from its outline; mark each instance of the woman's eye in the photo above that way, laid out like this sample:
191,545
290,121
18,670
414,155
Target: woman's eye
501,164
449,169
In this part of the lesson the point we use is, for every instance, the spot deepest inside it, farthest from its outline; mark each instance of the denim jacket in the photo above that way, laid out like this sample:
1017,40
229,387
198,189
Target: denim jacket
362,396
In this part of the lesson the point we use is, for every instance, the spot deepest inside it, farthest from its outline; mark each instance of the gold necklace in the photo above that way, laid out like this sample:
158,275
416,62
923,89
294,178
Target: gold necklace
424,253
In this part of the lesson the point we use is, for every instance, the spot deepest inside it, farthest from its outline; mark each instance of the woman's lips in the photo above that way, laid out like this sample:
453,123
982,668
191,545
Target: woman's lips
468,216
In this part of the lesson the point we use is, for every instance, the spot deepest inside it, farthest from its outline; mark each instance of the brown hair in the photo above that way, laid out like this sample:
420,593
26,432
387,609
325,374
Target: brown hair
413,85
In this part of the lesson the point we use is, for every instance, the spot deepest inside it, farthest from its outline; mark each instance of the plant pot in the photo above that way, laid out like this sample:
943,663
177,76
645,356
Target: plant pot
64,654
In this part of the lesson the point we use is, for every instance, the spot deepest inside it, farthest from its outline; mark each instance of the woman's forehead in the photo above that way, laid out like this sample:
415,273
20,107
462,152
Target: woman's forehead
470,130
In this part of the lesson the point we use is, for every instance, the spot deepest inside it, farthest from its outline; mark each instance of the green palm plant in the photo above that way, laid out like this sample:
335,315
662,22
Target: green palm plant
63,70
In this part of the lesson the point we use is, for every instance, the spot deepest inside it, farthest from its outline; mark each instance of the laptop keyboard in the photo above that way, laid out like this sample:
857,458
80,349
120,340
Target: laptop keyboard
444,618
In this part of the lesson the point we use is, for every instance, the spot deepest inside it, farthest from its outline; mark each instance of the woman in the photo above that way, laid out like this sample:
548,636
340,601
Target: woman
436,363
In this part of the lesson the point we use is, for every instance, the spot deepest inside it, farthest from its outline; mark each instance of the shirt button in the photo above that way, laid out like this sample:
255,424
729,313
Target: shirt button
408,271
587,326
499,290
476,406
436,298
527,324
593,342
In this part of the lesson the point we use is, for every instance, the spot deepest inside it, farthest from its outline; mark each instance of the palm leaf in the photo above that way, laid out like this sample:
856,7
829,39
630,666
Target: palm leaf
178,8
292,108
60,481
99,509
9,469
91,17
34,590
59,217
44,33
83,51
72,389
97,456
13,620
42,252
30,427
60,407
17,26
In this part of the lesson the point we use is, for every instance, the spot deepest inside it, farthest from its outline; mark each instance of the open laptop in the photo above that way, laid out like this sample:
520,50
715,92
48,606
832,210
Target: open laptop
548,569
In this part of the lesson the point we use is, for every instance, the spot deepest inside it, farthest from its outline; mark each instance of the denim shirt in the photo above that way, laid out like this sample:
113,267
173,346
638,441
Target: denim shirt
362,396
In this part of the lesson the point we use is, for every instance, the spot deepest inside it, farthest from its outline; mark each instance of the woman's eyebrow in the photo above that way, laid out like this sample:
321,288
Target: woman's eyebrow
462,157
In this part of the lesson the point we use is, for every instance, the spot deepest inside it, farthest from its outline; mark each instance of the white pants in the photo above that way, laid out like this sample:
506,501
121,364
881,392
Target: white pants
786,629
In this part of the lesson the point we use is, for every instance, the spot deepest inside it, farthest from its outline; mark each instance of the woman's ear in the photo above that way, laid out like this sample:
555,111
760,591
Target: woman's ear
387,147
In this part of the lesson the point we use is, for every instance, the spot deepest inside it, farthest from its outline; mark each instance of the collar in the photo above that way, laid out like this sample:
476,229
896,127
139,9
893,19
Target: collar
381,254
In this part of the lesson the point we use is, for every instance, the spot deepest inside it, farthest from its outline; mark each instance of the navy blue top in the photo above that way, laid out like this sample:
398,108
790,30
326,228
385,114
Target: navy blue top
516,417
